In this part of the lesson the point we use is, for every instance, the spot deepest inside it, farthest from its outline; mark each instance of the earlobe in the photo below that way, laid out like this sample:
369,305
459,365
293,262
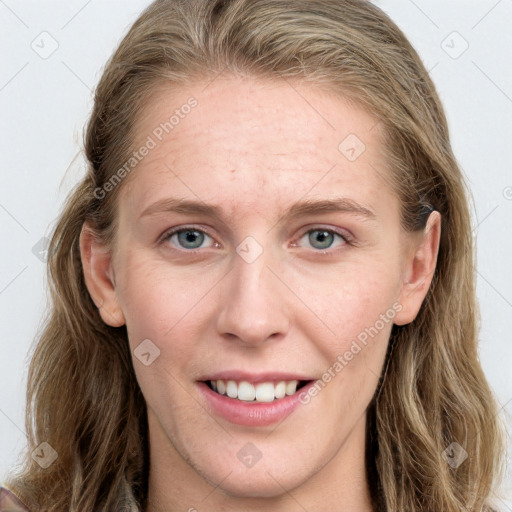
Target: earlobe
99,277
419,269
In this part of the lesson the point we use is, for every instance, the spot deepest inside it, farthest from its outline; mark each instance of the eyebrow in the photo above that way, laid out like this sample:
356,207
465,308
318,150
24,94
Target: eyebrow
298,209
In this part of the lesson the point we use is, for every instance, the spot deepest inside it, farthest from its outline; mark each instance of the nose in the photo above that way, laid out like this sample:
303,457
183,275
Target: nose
254,307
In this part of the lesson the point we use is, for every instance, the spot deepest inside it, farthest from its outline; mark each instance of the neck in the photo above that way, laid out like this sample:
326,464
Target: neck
340,485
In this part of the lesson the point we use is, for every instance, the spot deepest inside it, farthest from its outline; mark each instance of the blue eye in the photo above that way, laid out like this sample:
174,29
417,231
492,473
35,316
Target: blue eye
192,239
188,238
322,239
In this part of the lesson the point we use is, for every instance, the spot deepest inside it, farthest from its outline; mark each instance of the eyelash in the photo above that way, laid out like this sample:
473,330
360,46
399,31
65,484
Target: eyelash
347,240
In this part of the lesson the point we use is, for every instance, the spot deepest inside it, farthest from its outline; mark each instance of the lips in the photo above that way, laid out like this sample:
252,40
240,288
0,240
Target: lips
253,413
255,378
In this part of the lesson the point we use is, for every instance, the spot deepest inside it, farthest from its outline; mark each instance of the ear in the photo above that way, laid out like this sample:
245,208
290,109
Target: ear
99,277
419,268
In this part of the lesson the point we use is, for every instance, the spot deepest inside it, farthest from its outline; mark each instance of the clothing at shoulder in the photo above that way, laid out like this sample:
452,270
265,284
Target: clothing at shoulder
9,502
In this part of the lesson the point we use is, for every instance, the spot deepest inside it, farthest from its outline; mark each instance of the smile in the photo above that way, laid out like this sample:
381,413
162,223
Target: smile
258,404
261,392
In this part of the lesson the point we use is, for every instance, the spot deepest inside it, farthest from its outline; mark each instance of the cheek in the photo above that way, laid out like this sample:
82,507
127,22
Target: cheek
158,298
351,302
359,313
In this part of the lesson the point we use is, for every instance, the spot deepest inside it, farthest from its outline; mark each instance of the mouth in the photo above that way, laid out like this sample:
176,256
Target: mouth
262,392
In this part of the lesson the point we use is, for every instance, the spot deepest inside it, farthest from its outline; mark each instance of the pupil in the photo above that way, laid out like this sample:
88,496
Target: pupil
190,237
322,237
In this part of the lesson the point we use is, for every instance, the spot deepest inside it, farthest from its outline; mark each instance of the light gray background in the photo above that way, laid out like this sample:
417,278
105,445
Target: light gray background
45,100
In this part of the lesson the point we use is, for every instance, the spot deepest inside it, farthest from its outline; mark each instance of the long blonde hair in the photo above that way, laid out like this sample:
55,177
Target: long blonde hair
82,396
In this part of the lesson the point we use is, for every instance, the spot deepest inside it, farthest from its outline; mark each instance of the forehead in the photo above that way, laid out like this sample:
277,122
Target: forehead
241,139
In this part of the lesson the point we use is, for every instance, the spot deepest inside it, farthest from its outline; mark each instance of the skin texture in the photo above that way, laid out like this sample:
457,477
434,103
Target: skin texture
254,148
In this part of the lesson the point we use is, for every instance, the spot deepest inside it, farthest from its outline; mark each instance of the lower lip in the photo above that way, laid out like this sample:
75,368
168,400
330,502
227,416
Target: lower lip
252,414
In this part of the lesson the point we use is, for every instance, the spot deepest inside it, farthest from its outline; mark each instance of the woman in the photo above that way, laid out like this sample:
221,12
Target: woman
263,289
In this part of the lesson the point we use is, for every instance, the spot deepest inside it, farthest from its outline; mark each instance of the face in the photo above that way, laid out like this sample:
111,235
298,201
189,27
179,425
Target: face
298,274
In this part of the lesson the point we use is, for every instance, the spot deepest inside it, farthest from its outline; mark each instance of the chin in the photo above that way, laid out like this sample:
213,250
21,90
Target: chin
260,481
259,484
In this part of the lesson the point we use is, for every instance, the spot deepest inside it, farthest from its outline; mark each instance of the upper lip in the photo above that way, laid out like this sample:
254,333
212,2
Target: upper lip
238,376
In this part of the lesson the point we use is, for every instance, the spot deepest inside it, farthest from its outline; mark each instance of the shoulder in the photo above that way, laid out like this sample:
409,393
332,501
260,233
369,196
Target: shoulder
9,502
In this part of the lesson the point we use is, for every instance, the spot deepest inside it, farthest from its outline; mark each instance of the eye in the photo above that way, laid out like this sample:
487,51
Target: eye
186,238
322,239
192,238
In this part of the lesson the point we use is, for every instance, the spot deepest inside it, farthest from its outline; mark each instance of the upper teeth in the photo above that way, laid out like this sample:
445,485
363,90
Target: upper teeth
262,392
